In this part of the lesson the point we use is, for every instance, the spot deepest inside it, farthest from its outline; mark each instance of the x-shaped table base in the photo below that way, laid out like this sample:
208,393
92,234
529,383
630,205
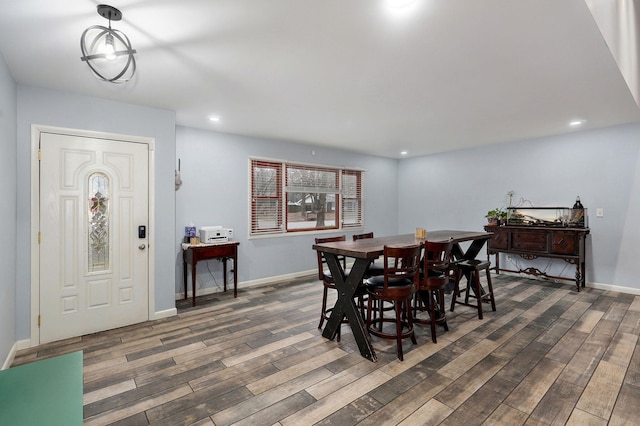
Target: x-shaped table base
346,305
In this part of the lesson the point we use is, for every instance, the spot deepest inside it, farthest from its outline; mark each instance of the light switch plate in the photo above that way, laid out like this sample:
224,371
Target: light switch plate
599,212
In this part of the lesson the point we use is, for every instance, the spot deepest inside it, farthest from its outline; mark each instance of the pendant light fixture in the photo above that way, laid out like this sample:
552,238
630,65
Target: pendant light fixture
108,52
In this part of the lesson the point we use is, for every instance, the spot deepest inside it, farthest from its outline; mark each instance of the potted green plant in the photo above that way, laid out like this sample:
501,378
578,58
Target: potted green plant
493,216
498,216
502,216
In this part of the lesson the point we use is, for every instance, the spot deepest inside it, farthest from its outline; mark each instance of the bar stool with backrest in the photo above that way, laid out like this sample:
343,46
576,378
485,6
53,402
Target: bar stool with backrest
435,275
397,285
328,282
362,236
471,270
374,268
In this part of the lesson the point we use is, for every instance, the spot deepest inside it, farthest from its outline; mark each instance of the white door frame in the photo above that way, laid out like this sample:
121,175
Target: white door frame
36,130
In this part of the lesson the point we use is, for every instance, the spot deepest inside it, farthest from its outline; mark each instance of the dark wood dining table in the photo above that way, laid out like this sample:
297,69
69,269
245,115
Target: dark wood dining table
363,251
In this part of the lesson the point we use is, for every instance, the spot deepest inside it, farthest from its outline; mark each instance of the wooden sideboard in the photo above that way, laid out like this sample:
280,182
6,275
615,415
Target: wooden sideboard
531,242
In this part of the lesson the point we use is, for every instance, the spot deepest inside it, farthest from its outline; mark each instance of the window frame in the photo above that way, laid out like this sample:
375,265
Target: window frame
254,198
344,199
283,224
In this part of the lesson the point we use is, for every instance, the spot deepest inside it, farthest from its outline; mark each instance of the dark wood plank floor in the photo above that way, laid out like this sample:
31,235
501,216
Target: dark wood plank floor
549,355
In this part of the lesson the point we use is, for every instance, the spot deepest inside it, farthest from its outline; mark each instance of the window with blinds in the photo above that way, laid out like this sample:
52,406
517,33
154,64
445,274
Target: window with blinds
290,197
266,197
351,199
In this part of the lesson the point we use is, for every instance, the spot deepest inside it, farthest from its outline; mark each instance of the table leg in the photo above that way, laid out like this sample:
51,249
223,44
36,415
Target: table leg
224,273
580,269
456,252
497,260
184,274
193,283
235,276
346,306
474,249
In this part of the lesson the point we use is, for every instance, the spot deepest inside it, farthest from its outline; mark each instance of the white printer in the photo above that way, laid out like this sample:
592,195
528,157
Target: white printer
215,234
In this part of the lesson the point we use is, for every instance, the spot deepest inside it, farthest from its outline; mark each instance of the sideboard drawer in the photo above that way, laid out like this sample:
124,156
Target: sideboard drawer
529,241
564,243
499,239
217,251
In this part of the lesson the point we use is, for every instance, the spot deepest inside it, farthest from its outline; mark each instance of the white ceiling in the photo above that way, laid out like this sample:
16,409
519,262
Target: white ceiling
439,75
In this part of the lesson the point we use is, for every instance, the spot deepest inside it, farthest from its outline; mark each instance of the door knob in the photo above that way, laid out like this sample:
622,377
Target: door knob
142,246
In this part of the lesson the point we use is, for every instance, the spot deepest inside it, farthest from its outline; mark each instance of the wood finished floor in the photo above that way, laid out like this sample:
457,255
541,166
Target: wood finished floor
549,355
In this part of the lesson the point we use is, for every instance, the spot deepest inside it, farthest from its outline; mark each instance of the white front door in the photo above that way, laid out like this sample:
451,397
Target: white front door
94,216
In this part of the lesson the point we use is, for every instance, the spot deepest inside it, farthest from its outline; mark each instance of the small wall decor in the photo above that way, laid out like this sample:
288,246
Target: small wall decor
178,178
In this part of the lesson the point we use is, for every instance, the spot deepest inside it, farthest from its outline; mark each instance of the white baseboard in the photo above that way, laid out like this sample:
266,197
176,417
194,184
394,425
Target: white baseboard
19,345
164,314
23,344
616,288
260,281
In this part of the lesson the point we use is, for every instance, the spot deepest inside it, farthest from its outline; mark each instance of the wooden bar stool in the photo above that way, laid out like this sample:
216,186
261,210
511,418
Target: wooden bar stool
375,268
471,270
397,285
431,286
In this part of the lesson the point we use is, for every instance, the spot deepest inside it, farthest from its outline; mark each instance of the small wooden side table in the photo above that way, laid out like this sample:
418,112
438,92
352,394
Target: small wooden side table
192,253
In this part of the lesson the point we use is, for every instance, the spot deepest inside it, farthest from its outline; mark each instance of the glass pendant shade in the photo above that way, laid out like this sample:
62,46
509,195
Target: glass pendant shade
107,51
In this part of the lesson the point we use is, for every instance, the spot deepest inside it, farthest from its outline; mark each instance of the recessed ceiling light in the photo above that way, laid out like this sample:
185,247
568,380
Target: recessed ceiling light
576,123
403,152
214,118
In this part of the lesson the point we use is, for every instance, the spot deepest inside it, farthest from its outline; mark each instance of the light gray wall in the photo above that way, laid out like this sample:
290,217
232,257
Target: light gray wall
62,109
215,173
455,190
451,190
8,98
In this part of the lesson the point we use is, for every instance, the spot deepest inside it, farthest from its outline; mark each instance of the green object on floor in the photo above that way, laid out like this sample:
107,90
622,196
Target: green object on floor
46,392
